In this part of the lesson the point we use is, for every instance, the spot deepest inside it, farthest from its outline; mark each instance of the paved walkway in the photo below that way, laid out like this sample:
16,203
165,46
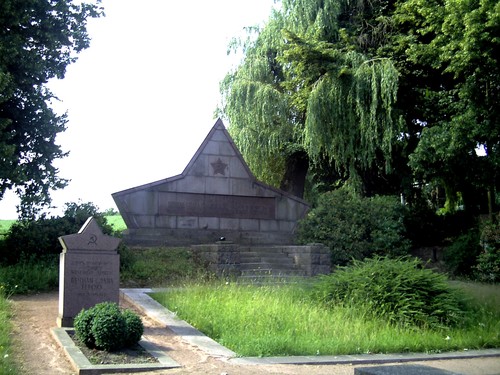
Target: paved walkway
464,362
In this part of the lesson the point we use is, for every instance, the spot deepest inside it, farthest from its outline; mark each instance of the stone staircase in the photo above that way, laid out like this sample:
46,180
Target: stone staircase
264,263
261,264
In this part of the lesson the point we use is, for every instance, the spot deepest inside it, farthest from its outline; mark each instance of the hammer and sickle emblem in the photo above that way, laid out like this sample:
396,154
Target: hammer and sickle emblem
93,240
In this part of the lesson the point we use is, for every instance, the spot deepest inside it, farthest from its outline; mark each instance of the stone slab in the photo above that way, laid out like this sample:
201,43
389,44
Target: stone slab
86,279
89,271
83,366
402,369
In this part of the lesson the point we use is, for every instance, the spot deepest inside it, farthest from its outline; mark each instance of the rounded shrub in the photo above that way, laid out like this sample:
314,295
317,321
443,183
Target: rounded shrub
135,328
108,327
399,290
83,327
105,326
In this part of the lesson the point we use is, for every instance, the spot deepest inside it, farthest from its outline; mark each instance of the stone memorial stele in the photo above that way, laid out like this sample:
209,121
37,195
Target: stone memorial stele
216,196
89,271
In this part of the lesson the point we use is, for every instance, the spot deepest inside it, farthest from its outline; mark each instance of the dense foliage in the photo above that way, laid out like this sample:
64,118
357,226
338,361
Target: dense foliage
38,40
34,239
488,262
389,97
356,228
106,327
399,290
461,256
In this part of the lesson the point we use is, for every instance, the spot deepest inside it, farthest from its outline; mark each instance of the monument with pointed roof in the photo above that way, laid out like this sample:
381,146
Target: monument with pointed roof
216,196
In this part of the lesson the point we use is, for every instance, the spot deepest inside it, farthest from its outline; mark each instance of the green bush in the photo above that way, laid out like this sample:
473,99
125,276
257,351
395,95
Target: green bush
354,227
108,327
135,328
461,256
400,290
36,238
105,327
83,326
487,268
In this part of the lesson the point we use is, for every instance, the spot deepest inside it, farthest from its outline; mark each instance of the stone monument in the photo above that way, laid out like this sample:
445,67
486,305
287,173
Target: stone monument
216,196
89,271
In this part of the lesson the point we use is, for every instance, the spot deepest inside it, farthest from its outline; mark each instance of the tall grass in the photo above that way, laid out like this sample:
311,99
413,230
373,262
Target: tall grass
7,366
272,321
152,267
30,276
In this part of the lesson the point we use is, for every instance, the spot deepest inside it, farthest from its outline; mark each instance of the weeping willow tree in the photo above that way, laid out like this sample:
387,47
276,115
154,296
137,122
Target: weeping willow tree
309,89
262,117
350,118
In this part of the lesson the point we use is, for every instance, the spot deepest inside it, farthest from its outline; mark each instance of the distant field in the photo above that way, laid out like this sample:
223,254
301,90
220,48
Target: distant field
115,220
4,227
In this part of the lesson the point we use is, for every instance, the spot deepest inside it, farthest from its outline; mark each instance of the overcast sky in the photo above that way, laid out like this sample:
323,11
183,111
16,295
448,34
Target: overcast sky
141,99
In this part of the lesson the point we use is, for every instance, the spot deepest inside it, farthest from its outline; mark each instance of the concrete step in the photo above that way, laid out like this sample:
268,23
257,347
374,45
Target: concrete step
272,279
261,249
267,265
268,262
271,272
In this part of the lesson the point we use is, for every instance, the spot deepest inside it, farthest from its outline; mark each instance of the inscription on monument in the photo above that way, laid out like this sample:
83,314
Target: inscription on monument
90,278
89,271
213,205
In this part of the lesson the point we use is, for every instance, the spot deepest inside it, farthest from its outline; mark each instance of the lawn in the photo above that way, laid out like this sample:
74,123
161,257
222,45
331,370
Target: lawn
116,221
276,321
7,366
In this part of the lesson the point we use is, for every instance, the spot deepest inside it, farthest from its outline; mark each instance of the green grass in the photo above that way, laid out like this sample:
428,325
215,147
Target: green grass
30,276
274,321
7,366
116,221
158,267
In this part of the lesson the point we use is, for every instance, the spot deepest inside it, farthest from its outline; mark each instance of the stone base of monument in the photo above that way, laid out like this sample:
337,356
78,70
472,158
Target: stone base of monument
83,366
154,237
256,263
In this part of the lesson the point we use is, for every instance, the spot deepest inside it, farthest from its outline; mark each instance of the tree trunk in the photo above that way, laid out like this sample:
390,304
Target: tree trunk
294,180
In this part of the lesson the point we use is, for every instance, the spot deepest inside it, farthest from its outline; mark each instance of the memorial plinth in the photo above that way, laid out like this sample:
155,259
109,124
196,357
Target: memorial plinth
89,271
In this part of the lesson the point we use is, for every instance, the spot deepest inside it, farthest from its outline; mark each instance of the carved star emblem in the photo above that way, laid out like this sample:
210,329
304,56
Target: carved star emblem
90,237
219,167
